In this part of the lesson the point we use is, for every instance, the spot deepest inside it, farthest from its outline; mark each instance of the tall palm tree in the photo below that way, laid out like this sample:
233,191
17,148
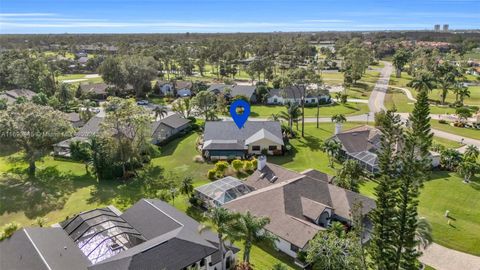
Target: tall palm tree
160,111
292,114
274,117
251,230
332,148
423,233
186,186
467,169
423,82
222,221
461,91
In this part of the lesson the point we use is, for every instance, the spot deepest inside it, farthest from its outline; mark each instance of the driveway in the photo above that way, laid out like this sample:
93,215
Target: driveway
442,258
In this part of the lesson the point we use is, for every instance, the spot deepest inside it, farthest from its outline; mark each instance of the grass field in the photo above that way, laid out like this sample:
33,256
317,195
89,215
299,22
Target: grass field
435,95
465,132
325,111
77,192
447,143
446,191
396,98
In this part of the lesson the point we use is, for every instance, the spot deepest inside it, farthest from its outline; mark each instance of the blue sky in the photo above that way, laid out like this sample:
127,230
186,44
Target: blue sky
170,16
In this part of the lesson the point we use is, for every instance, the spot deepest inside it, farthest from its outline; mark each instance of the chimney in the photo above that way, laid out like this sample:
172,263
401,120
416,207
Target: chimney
261,162
338,128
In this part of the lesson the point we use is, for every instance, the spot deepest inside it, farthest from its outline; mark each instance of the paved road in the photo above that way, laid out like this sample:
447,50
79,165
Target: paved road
442,258
377,97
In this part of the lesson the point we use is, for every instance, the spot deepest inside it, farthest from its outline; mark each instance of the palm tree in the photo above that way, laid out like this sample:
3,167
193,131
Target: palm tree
471,153
186,186
292,114
423,82
160,111
423,232
222,221
339,118
337,228
467,169
251,230
461,91
450,159
332,148
274,116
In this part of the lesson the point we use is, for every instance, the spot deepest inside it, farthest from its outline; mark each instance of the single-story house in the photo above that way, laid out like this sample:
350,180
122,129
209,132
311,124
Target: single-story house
82,60
149,235
100,91
224,140
293,94
11,96
235,90
180,89
299,205
219,192
90,128
362,144
75,120
167,127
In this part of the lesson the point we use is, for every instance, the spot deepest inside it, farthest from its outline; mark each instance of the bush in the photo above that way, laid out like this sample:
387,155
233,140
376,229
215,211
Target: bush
8,230
211,174
247,165
264,151
237,165
221,166
194,201
442,121
254,163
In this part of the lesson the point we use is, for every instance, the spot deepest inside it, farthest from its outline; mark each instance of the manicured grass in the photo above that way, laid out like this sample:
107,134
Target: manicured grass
306,153
71,77
396,98
446,191
156,100
325,111
446,142
435,94
177,156
465,132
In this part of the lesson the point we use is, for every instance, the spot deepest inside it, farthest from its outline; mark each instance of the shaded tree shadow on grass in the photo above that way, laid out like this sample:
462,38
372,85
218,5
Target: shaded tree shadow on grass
286,158
310,142
7,149
169,148
282,257
36,196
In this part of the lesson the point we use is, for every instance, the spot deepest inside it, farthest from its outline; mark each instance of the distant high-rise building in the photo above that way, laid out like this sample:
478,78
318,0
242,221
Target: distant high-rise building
437,27
445,27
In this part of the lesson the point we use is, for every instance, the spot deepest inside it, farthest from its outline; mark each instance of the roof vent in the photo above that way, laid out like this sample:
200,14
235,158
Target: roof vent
273,179
115,246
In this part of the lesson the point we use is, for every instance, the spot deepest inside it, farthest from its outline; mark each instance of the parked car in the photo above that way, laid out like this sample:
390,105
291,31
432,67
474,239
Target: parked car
142,102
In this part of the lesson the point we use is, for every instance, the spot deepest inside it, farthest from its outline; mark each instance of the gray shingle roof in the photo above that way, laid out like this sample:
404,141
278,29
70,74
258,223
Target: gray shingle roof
16,93
243,90
41,248
218,131
91,127
219,87
293,200
173,121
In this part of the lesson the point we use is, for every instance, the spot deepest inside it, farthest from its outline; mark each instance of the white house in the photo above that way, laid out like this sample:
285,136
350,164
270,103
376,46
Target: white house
294,95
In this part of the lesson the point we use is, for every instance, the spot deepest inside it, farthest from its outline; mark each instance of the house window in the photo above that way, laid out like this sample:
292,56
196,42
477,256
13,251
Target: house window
294,248
256,148
275,100
202,262
272,147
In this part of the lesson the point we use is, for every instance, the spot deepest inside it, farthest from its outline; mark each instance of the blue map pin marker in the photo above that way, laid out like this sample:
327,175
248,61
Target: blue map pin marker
240,119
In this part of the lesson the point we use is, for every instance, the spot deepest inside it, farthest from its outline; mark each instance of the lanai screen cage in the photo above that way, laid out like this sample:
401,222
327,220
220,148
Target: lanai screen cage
222,191
101,233
367,160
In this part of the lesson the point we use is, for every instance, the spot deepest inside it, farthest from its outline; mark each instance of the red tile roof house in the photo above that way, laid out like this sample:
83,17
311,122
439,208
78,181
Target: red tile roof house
299,205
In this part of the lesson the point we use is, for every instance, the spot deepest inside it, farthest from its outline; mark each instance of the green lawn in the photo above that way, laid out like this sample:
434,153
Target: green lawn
446,191
465,132
397,98
446,142
77,192
435,95
325,111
